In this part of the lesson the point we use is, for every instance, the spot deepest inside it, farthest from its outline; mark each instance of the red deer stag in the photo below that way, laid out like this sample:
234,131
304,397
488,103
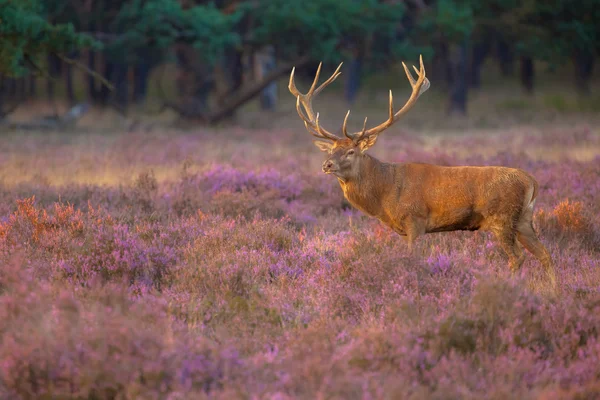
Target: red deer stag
416,198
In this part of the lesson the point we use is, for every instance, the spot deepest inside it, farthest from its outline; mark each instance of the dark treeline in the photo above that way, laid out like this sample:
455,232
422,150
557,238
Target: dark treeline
231,51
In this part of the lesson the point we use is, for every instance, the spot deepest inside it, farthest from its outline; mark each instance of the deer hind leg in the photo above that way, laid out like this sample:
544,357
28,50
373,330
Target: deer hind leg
528,238
508,241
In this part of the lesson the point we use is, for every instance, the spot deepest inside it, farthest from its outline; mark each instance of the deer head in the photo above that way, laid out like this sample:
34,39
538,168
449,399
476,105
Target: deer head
344,155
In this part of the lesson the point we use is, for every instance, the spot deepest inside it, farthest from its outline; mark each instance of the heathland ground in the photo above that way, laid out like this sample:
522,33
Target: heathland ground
147,259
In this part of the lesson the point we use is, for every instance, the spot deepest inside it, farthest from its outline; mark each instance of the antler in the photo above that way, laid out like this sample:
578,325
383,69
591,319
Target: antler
311,120
419,87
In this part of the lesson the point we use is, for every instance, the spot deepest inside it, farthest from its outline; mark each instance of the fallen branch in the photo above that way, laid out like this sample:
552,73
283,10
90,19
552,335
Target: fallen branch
237,99
79,65
68,120
9,110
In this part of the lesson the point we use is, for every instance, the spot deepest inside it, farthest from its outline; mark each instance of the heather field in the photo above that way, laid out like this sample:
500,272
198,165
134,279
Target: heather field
223,263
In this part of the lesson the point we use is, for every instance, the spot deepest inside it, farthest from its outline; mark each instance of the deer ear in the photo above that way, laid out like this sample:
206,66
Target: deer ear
367,142
323,146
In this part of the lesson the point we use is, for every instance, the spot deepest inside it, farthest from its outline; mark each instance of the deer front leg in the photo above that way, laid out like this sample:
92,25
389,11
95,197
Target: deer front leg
408,239
413,228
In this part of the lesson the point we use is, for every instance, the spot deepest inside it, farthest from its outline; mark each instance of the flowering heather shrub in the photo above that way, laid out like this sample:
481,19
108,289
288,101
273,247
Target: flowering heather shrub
569,219
234,277
61,342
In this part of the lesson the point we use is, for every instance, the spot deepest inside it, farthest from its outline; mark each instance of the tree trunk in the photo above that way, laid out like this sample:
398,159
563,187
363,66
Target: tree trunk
50,89
265,61
32,86
69,84
11,88
21,89
54,69
527,74
5,98
119,79
479,54
93,91
445,63
183,70
193,81
459,87
104,92
505,57
584,67
237,70
141,73
228,75
2,95
352,82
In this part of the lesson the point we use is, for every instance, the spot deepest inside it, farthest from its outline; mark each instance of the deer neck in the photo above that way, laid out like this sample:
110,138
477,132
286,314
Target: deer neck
368,187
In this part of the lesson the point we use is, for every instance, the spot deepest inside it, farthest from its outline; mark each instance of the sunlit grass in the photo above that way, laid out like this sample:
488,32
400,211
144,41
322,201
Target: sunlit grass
113,159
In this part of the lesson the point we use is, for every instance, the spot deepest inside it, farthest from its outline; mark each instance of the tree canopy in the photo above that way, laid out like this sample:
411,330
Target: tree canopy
27,34
212,40
158,24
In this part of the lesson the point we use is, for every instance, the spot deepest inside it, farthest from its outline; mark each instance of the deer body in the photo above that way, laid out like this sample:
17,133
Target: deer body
414,198
431,198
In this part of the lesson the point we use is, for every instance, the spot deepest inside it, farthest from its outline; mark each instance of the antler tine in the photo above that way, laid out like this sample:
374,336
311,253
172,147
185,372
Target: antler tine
426,82
344,126
311,131
409,74
306,121
292,85
312,127
358,136
308,116
317,123
419,87
332,78
300,112
391,105
315,81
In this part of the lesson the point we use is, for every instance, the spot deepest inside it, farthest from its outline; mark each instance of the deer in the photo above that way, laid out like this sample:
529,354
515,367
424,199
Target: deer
418,198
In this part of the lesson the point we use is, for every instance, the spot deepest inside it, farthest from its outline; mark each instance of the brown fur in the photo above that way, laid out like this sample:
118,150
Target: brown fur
414,199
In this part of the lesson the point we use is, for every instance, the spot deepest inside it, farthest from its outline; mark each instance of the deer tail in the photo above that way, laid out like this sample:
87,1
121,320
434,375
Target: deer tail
530,196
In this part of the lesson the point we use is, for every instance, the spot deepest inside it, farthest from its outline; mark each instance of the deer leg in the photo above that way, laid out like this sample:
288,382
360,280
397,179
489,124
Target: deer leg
528,238
507,240
519,254
413,229
404,235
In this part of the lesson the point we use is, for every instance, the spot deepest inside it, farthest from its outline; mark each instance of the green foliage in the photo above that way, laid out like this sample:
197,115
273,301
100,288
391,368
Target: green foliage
455,18
548,30
158,24
318,27
26,36
137,31
569,27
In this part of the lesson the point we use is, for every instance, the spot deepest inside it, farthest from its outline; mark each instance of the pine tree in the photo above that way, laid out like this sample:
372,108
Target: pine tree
27,37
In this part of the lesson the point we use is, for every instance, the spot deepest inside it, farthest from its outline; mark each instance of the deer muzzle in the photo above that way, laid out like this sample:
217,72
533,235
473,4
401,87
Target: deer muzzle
329,166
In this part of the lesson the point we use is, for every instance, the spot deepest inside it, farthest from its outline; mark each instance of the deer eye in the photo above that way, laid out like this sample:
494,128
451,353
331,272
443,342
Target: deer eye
350,152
